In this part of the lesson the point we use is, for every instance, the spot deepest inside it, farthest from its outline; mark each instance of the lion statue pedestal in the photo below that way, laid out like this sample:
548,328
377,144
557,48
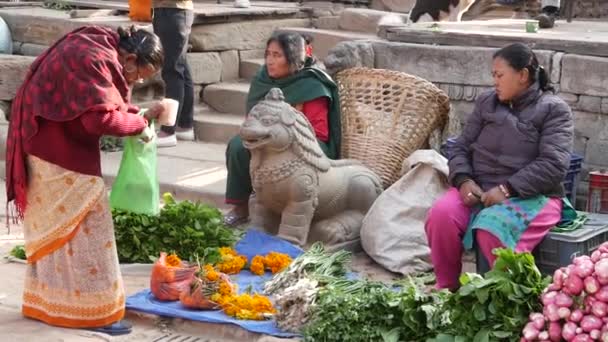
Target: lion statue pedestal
301,195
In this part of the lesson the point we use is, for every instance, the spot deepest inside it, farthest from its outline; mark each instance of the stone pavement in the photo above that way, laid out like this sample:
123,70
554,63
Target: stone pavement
16,328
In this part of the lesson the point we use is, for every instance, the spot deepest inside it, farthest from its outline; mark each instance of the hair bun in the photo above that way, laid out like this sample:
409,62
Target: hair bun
122,33
126,33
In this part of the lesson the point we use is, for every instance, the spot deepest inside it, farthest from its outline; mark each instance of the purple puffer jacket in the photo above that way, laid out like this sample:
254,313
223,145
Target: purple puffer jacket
525,145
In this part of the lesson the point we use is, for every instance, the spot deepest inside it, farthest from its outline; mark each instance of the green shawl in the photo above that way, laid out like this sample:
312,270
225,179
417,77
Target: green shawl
306,85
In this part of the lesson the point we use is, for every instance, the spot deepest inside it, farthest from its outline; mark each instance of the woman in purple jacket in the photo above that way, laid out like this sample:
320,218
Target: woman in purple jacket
506,168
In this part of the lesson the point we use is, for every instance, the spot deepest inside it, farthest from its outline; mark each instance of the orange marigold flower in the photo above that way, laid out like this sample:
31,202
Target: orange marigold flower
225,289
257,265
246,306
210,273
277,261
232,266
262,304
227,251
173,260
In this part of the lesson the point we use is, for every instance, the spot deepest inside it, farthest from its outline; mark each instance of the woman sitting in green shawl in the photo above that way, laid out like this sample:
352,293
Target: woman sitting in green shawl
288,66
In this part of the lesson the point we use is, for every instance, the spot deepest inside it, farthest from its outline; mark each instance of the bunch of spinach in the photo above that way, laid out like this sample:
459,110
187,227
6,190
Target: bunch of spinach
361,310
496,306
191,230
490,308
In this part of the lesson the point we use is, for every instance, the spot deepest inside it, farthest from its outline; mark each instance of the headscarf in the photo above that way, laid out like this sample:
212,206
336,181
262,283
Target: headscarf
78,74
305,85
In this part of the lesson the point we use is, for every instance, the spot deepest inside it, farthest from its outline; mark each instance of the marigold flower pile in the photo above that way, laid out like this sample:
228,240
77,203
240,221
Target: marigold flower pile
274,261
214,283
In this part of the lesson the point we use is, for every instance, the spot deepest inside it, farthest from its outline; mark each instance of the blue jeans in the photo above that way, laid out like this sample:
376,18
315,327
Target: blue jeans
173,27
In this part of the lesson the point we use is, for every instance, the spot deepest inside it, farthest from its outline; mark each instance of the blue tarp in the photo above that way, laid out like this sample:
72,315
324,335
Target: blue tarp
253,243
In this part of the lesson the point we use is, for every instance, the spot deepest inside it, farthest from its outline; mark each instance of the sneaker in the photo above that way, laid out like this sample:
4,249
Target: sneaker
185,135
167,141
242,4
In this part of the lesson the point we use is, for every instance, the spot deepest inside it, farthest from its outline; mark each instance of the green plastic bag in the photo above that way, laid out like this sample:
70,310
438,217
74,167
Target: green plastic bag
135,188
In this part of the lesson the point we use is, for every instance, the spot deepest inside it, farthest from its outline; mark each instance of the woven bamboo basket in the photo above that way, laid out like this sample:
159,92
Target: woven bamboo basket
386,116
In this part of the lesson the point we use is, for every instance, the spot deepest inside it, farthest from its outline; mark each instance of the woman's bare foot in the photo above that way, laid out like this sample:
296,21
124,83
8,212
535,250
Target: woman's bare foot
237,216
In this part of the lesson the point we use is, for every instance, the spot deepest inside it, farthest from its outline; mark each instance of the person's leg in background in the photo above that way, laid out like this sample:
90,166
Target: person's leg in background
173,26
549,12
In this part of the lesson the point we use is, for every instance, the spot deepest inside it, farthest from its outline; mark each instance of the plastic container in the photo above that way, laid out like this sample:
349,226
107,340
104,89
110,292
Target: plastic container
598,192
168,117
558,249
572,177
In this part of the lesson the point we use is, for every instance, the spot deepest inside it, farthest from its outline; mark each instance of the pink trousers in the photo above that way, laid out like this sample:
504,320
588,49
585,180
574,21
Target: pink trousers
447,222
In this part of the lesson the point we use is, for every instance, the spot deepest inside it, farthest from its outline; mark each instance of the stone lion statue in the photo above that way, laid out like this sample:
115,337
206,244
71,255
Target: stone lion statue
301,195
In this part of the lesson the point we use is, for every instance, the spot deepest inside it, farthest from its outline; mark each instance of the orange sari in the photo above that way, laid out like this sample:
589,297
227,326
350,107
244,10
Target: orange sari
73,277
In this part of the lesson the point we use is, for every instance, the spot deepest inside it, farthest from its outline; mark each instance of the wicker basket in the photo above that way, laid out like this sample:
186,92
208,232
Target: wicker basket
387,115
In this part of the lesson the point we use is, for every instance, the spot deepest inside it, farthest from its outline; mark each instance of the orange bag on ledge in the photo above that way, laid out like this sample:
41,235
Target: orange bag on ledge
140,10
168,282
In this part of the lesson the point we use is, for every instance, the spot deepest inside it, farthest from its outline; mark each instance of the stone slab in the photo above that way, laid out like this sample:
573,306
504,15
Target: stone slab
445,64
326,23
325,40
363,20
604,107
582,37
591,133
251,54
586,75
215,127
403,6
206,67
227,97
13,70
556,67
570,99
28,49
246,35
250,67
44,26
591,104
230,65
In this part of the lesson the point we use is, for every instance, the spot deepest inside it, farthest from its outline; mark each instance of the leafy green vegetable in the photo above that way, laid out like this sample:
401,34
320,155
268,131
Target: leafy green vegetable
188,229
495,307
490,308
18,252
361,310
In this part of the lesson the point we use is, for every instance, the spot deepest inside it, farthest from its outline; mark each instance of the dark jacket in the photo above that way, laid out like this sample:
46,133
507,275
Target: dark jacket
525,145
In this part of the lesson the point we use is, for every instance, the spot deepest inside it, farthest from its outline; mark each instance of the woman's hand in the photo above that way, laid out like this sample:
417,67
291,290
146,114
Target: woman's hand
154,111
492,197
470,193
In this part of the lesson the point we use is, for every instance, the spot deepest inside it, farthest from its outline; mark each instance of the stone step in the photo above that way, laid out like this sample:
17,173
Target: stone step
190,170
250,67
210,126
214,127
364,20
325,40
227,97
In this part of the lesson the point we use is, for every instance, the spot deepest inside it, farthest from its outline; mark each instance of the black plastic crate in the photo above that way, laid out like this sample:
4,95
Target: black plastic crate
558,249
